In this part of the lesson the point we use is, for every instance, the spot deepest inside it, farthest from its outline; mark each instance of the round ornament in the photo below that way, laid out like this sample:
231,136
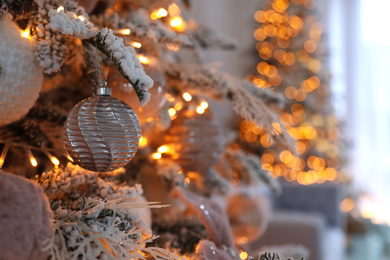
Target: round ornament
21,78
195,141
26,220
248,215
102,133
122,89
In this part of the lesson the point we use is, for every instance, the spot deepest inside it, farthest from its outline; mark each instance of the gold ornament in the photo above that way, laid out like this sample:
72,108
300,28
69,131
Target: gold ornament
102,133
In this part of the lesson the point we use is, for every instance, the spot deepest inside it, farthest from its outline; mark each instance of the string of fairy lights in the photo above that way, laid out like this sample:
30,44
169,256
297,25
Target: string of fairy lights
172,15
289,46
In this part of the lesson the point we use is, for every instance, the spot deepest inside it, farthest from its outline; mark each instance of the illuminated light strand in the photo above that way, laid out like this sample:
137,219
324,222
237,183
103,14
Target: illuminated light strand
4,154
33,161
51,157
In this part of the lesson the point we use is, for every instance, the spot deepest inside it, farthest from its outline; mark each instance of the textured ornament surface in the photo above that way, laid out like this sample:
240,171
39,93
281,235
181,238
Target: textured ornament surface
101,133
26,220
196,141
21,78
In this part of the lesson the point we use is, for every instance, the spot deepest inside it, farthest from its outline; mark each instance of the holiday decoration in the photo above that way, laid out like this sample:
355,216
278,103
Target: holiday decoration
88,5
20,79
25,221
102,133
122,89
196,140
248,215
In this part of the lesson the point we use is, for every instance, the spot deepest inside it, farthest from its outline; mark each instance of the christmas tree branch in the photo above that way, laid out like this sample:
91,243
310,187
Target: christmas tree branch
124,57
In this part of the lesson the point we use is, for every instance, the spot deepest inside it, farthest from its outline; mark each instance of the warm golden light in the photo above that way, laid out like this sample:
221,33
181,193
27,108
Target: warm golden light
26,33
174,10
54,160
125,31
69,158
143,141
173,47
200,110
204,105
136,44
172,111
81,18
162,149
347,205
178,106
59,9
143,59
178,23
156,156
243,255
187,96
33,161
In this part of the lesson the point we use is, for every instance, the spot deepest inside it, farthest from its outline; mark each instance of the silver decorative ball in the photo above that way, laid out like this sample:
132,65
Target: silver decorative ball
101,133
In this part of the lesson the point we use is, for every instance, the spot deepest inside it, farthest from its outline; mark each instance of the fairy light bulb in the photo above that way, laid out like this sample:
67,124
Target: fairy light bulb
4,154
33,161
59,9
187,97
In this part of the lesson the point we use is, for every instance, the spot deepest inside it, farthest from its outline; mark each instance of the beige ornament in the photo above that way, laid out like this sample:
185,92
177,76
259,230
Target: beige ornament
21,78
196,142
248,214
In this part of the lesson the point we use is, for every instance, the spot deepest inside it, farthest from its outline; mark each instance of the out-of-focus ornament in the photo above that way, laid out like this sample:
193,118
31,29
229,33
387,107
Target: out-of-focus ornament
25,221
195,141
21,79
102,133
122,89
88,5
248,214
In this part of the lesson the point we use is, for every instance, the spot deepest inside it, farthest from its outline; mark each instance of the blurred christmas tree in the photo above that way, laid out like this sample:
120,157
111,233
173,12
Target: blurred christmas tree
293,62
59,54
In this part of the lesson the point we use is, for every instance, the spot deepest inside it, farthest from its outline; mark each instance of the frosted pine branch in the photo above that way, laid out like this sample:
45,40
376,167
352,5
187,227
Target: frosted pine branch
70,24
124,57
206,37
126,61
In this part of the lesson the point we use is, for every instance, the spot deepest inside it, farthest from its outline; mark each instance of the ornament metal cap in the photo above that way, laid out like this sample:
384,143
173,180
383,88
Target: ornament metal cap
103,90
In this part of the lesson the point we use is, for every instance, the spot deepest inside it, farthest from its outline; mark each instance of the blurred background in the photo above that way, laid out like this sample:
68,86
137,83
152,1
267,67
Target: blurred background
332,68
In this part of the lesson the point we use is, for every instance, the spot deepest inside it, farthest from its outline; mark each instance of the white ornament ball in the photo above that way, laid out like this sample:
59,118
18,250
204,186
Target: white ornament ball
21,78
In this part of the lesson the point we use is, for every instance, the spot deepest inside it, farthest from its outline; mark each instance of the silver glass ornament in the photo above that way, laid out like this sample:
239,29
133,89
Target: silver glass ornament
102,133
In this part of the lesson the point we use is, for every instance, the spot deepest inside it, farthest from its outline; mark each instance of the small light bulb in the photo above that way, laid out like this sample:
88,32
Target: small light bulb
156,156
187,96
143,141
200,110
33,161
162,12
172,111
162,149
204,105
243,255
81,18
26,34
59,9
143,59
136,45
125,31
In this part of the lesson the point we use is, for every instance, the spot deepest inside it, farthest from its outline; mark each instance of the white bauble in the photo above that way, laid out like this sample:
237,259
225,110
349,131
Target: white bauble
21,78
